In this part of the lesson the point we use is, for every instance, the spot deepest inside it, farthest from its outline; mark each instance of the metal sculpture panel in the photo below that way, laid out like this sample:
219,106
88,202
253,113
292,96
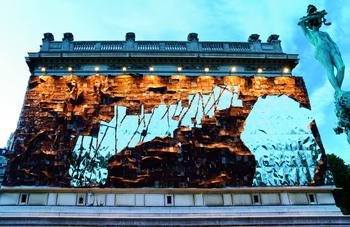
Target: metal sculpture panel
137,131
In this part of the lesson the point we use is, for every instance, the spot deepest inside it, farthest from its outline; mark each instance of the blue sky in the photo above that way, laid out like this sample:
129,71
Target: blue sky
22,24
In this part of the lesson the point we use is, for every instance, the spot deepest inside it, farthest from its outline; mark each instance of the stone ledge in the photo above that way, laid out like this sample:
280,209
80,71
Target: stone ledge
171,190
179,220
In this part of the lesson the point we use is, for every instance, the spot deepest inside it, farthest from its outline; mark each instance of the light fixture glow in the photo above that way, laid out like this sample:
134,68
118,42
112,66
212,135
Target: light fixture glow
286,70
124,76
150,77
233,69
151,68
206,69
97,68
178,77
43,69
259,70
124,68
205,77
70,69
179,69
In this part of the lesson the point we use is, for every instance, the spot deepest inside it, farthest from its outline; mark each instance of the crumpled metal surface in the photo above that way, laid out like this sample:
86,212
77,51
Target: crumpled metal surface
57,110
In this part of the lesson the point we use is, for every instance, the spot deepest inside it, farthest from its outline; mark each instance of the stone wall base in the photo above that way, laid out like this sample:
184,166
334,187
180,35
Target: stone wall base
168,206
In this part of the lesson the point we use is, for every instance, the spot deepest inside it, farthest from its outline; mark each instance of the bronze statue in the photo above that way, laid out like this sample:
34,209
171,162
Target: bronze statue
326,50
328,54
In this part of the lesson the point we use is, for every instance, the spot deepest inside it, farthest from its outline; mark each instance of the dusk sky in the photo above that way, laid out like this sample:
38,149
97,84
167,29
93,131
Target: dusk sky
23,23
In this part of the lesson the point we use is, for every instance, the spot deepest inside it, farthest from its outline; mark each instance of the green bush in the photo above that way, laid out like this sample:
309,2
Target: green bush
341,174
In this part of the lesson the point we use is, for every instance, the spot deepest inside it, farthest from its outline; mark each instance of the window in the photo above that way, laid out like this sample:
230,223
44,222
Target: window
312,199
81,199
256,199
169,200
23,198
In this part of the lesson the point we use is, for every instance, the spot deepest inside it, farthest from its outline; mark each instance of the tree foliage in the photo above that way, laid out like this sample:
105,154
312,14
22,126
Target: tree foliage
341,173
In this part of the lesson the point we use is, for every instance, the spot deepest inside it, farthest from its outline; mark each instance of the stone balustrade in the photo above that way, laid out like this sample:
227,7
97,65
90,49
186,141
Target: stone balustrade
273,45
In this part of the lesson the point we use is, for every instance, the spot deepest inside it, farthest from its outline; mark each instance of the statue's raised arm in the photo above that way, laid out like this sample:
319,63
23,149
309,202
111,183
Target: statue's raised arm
314,17
303,25
312,22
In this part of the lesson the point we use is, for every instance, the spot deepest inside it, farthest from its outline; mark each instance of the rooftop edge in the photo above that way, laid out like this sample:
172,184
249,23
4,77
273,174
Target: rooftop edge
253,45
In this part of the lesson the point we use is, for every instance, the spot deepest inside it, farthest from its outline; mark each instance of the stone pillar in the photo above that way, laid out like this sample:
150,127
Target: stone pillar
48,37
192,39
273,39
130,40
256,42
67,38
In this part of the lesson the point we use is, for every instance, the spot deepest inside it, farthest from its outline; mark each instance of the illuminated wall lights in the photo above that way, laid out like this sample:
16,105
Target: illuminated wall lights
43,69
177,77
205,77
70,69
286,70
206,69
259,70
151,77
179,68
97,68
233,69
124,68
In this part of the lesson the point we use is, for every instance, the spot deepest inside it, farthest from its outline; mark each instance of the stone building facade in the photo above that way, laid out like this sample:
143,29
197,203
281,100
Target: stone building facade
175,111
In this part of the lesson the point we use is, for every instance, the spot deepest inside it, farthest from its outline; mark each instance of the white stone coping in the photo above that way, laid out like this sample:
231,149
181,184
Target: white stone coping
170,190
154,212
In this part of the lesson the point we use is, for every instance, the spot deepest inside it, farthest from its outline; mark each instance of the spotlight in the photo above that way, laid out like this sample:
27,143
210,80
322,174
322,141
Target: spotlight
179,69
206,69
259,70
97,68
43,69
286,70
124,68
151,68
233,69
70,69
